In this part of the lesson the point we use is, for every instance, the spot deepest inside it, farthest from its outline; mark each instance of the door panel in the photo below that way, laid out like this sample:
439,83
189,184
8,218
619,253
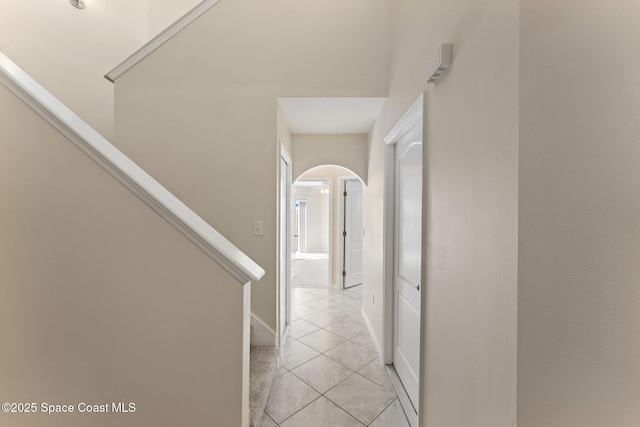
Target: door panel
409,211
408,254
352,263
408,347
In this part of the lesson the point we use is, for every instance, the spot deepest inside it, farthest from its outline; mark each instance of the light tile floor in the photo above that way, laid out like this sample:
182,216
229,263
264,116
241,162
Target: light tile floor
311,269
330,374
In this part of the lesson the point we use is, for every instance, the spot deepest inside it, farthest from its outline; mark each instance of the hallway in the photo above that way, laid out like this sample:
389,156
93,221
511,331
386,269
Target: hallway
330,373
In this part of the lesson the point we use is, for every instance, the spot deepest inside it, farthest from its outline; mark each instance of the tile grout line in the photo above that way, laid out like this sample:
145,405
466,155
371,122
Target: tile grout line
348,319
387,407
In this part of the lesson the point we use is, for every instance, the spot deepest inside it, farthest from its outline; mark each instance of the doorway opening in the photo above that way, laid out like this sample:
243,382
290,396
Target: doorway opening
320,213
311,233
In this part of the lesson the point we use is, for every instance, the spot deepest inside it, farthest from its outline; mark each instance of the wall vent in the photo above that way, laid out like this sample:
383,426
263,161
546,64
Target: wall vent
439,64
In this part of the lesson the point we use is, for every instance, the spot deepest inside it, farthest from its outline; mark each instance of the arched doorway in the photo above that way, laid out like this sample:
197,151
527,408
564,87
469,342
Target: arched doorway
321,213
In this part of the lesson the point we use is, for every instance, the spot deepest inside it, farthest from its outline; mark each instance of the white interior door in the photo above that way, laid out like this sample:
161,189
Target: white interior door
352,234
408,240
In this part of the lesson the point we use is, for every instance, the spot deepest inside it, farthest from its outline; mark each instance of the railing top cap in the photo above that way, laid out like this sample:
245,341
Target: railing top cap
160,39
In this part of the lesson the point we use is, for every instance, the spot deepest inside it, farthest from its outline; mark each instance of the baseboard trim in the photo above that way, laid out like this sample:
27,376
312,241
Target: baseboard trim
403,397
372,334
261,333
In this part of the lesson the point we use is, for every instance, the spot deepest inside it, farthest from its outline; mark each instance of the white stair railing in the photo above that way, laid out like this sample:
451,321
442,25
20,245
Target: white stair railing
94,145
160,39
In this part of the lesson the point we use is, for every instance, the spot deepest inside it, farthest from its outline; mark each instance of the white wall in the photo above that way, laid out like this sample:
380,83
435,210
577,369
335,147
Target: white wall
470,205
205,125
318,216
163,13
68,50
579,240
104,301
312,150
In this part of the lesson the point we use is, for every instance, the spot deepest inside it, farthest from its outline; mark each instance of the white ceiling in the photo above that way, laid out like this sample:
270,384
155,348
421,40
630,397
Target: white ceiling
330,115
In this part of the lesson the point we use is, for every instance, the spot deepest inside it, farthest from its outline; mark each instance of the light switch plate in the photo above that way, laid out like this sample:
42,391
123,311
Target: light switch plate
257,228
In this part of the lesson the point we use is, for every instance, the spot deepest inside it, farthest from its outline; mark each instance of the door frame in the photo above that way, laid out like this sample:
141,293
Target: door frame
414,115
286,235
301,226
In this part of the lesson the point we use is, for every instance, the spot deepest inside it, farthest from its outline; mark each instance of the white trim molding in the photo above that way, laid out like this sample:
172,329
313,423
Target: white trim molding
372,334
160,39
261,333
285,253
412,117
129,174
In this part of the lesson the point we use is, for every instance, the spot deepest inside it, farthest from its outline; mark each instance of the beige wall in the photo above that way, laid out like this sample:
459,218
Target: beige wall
579,244
103,300
163,13
312,150
68,50
205,125
470,205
